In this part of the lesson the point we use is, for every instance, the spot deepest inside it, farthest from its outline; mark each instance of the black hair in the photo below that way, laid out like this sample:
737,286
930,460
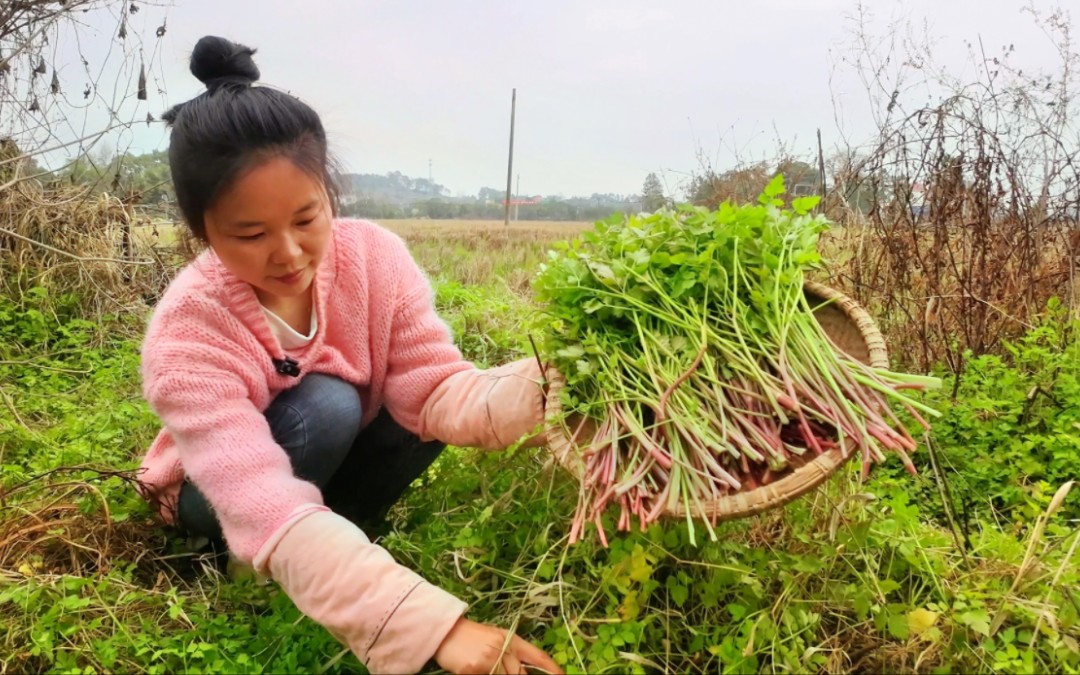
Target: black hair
233,126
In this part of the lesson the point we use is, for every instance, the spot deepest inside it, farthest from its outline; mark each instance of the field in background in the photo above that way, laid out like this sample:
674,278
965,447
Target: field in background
417,227
447,248
483,252
921,306
540,228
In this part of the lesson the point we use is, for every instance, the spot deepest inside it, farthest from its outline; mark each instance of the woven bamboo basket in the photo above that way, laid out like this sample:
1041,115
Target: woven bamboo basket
851,329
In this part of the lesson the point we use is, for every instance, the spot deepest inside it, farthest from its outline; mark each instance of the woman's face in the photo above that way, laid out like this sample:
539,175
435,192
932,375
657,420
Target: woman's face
271,228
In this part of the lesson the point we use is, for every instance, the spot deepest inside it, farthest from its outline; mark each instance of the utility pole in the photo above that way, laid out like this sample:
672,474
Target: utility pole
821,169
510,161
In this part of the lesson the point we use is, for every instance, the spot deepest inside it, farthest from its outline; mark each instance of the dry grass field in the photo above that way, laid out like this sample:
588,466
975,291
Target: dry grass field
538,228
480,252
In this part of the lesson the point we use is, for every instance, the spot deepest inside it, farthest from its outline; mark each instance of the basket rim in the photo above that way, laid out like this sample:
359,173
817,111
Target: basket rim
745,503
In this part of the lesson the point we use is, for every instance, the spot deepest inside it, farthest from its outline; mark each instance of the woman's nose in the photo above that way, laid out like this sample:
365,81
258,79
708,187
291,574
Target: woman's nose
287,250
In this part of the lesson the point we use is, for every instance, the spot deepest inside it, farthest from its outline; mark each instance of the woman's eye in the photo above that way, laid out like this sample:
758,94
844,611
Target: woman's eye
306,222
251,237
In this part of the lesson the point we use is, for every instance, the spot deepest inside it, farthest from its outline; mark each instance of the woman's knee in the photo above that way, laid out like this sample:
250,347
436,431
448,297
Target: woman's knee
316,422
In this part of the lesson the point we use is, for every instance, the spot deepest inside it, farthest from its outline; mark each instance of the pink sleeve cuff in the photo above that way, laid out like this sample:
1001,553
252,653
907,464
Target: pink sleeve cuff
389,616
297,514
490,409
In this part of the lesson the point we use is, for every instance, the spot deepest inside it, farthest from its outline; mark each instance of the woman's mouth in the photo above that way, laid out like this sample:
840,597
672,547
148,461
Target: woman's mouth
290,278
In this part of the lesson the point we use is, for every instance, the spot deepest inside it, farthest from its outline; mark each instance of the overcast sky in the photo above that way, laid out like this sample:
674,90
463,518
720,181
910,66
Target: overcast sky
607,90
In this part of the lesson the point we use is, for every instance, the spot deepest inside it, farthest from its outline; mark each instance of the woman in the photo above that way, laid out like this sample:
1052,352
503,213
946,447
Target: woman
304,380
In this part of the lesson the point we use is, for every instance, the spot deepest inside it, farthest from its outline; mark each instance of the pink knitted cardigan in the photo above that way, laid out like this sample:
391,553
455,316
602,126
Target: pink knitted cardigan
208,373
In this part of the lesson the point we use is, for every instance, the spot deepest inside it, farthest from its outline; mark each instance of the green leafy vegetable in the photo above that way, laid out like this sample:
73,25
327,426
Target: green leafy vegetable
687,337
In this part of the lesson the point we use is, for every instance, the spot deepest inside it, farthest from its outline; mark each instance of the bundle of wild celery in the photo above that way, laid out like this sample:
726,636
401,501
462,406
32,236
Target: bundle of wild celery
687,337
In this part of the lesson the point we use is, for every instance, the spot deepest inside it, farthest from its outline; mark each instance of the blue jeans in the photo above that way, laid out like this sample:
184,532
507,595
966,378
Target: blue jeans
361,472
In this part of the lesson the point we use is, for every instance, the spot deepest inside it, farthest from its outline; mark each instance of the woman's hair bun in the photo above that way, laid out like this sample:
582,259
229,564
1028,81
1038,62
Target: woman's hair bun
215,60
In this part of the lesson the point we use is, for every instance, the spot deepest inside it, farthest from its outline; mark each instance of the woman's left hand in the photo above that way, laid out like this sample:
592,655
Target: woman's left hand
472,647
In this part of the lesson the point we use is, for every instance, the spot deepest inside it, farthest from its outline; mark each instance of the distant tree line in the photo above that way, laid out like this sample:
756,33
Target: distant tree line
395,195
145,180
554,208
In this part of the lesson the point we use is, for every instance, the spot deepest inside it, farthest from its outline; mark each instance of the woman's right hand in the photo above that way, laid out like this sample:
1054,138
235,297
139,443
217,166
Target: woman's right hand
472,647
